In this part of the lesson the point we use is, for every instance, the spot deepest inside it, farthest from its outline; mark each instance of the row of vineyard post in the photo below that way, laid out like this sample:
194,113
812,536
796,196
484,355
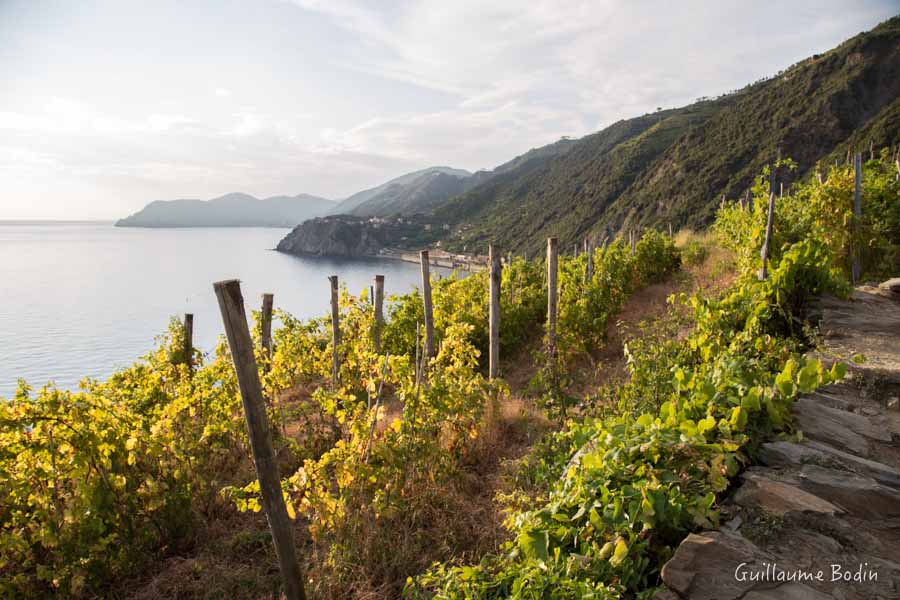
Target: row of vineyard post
231,305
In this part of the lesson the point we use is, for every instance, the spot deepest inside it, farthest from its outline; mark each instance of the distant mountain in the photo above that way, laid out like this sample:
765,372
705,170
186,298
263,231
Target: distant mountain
426,187
399,213
230,210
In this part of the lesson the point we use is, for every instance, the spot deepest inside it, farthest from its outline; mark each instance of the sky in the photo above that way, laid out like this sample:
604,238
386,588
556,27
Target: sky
106,105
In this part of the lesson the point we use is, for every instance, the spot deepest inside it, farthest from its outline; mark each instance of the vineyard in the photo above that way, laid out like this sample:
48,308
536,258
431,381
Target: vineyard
376,440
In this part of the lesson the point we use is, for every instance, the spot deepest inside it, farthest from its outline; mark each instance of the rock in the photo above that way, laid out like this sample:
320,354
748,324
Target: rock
861,496
784,454
703,566
665,594
892,285
832,401
338,235
868,325
838,427
788,591
779,498
880,472
789,454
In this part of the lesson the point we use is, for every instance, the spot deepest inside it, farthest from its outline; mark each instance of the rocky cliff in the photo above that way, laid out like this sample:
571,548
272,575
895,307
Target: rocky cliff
334,236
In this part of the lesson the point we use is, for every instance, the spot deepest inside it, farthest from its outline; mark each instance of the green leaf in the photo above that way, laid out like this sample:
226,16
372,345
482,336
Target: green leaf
535,544
808,378
838,371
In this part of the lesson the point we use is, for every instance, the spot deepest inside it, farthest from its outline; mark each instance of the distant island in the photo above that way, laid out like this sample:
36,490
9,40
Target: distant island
230,210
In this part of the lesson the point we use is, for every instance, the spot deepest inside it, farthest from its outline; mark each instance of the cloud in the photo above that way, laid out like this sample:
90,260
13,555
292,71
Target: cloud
339,95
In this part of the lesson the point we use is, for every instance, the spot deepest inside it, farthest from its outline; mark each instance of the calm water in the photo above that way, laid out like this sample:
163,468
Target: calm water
83,299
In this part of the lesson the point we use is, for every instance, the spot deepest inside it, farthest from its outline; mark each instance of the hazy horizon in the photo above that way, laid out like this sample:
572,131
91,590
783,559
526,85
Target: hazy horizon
110,105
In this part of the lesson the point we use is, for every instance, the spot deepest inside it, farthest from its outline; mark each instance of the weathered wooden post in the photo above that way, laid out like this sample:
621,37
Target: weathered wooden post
266,326
670,229
871,150
378,298
494,314
189,341
764,253
426,302
857,216
231,304
552,266
335,332
589,268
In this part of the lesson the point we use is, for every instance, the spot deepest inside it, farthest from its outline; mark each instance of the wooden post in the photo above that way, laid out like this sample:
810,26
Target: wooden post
378,298
781,190
871,150
189,341
266,323
764,253
426,302
231,304
589,268
335,332
494,314
632,239
857,215
670,229
552,262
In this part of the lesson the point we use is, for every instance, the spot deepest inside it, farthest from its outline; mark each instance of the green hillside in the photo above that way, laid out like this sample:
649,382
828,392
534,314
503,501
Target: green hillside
672,167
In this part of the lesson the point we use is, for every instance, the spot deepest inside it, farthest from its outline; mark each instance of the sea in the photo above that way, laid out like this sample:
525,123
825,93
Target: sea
83,299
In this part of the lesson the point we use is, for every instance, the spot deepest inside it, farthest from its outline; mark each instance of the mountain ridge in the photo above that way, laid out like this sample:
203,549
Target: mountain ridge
235,209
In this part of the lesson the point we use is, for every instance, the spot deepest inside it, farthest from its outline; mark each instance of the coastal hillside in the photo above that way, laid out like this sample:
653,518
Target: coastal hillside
383,195
673,167
668,168
231,210
419,194
429,189
400,214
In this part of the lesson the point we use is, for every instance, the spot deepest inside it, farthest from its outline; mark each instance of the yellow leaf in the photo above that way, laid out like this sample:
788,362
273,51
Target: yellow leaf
620,553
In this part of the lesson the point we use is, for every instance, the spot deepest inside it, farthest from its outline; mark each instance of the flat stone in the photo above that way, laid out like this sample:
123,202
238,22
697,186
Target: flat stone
891,285
790,454
859,495
832,401
788,591
703,567
780,498
869,324
846,430
880,472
